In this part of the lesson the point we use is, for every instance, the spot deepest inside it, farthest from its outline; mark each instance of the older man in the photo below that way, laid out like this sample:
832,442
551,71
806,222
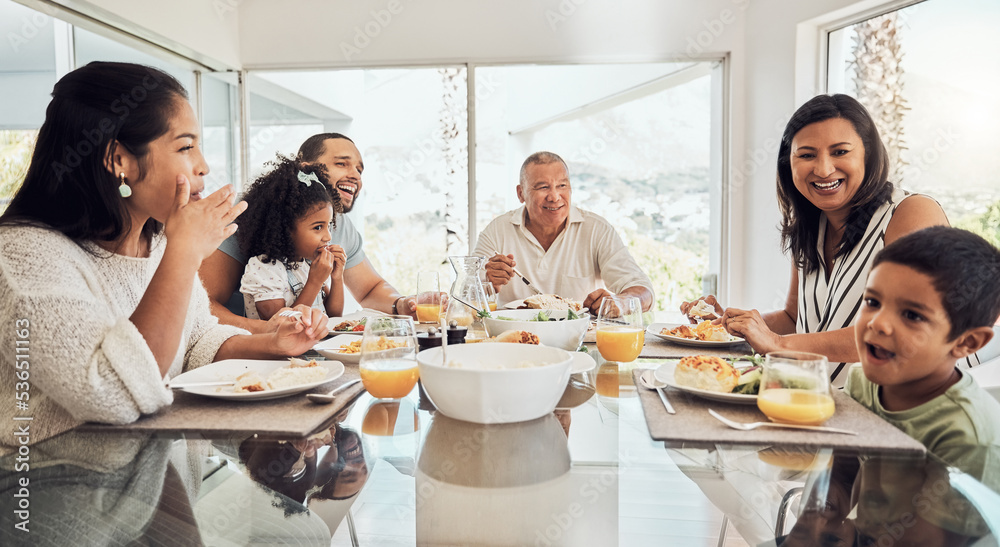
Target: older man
561,249
222,270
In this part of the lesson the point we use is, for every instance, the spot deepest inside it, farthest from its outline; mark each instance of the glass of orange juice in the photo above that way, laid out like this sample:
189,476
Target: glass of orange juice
795,388
491,295
389,356
428,297
619,328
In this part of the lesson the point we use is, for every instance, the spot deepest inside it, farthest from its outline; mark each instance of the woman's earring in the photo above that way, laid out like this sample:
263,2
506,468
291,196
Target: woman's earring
124,189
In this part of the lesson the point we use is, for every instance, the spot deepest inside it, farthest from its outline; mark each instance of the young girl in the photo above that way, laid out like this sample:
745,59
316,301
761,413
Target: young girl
286,231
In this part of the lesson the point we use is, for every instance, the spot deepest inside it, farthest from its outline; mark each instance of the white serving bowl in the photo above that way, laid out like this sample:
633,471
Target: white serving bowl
491,383
566,334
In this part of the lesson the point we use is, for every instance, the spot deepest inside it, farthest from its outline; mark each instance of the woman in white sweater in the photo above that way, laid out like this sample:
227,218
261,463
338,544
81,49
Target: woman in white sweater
99,250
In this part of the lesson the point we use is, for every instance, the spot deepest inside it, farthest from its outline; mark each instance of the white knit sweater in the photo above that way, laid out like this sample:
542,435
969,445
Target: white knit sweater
87,361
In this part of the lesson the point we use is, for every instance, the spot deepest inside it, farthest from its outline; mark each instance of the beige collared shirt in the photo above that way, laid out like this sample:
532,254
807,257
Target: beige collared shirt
586,256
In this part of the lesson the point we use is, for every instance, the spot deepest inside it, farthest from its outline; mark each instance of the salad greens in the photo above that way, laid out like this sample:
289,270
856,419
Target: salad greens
750,376
542,316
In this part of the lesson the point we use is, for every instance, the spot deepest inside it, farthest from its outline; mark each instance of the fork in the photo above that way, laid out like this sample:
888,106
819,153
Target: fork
290,313
754,425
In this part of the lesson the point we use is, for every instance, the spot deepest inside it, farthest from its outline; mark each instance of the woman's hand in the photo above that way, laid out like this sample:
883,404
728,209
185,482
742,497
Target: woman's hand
321,267
749,324
710,300
297,335
199,227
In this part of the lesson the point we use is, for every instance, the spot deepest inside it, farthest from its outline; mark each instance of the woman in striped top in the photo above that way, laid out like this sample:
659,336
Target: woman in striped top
838,209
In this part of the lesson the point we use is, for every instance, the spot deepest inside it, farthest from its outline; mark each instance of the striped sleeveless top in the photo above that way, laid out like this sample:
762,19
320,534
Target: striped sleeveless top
832,304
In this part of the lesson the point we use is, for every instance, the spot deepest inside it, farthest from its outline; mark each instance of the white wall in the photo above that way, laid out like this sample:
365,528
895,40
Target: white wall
393,32
779,76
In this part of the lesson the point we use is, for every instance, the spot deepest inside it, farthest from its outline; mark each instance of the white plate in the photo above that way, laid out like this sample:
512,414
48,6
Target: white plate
356,316
330,348
513,304
231,368
665,374
655,329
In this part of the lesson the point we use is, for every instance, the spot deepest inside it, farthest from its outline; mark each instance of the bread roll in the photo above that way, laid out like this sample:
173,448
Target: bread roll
703,310
708,373
517,337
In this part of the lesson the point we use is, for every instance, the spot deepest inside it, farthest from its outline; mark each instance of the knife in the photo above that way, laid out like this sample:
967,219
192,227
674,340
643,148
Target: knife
526,282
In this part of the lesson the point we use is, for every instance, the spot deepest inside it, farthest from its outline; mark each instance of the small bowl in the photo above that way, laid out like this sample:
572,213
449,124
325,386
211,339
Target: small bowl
492,385
566,334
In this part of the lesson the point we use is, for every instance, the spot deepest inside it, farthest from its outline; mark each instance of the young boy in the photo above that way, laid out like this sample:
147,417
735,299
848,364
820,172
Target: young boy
931,299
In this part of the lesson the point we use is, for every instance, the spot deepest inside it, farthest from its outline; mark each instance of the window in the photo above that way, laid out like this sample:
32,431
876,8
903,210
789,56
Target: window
918,71
39,49
28,70
638,142
409,125
642,142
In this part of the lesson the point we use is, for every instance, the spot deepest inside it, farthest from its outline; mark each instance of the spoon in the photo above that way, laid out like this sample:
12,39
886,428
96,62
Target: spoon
327,398
649,381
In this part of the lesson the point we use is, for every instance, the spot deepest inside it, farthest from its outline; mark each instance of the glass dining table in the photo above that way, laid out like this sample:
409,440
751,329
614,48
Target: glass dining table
391,473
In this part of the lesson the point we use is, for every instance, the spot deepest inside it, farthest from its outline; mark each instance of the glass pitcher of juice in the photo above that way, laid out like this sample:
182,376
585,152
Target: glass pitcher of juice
467,298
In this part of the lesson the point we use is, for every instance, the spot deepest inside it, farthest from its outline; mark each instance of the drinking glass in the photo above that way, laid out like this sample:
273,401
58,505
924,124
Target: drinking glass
389,356
428,297
491,295
795,388
619,328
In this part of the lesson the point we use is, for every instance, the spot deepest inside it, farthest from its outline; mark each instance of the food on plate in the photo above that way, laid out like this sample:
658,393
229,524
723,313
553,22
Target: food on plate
381,344
708,373
749,383
515,337
550,302
350,325
249,382
542,316
353,347
298,372
704,331
703,310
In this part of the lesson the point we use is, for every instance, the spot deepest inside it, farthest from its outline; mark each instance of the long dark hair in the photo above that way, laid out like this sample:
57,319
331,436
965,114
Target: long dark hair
68,186
799,217
275,202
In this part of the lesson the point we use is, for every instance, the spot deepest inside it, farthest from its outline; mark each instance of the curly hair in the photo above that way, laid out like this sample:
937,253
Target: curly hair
276,200
799,217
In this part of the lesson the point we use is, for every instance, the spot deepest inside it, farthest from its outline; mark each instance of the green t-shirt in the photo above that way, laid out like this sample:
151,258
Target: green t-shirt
960,426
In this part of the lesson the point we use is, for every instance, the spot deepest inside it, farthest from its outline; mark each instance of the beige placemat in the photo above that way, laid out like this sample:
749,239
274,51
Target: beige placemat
693,424
290,417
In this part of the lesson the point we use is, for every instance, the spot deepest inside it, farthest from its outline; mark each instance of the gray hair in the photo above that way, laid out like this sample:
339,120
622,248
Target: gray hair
540,158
